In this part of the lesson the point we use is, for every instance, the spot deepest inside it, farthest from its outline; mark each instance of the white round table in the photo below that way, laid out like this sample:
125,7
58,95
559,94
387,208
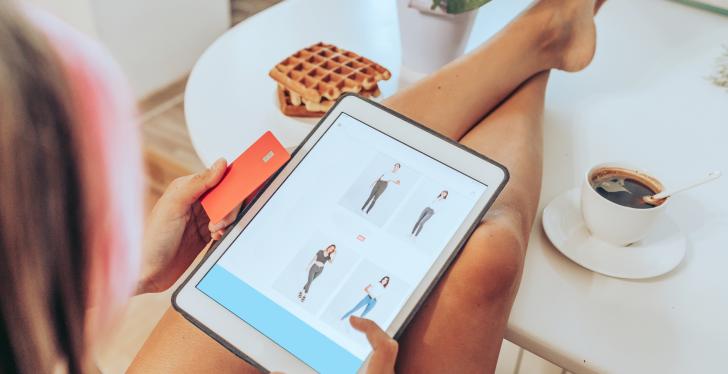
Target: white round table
230,100
645,99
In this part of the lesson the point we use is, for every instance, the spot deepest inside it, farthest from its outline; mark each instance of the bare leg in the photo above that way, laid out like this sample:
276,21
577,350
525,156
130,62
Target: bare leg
176,346
481,285
479,288
550,34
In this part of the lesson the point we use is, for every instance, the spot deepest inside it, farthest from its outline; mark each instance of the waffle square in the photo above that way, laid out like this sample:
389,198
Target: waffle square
323,72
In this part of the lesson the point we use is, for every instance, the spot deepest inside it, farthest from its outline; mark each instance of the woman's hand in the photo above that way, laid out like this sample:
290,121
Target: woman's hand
384,348
178,229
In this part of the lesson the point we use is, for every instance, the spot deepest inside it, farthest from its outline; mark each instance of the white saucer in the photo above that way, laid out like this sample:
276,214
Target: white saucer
662,250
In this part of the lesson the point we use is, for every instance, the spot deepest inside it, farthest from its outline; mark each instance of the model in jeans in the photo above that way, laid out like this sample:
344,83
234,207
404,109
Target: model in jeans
427,213
370,299
378,187
316,267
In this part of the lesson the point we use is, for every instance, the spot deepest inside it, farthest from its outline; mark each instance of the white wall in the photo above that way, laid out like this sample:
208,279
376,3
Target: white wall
156,42
75,12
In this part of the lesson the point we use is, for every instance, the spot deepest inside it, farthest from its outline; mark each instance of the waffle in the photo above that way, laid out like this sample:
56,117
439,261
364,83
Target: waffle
299,109
290,109
316,76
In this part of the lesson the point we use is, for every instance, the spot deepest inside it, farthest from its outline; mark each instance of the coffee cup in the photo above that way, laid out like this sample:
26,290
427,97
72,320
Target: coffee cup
611,203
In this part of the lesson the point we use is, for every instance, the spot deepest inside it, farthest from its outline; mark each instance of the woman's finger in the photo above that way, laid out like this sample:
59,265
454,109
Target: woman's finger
189,188
384,347
376,336
217,235
226,221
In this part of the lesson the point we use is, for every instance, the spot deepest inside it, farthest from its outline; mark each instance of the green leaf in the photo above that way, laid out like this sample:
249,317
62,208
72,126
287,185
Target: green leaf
461,6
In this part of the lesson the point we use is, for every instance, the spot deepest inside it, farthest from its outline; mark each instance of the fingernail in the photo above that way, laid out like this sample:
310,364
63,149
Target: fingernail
219,162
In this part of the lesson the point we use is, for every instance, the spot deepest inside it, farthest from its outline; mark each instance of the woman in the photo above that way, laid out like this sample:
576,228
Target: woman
316,267
427,213
491,100
61,229
379,186
370,299
71,196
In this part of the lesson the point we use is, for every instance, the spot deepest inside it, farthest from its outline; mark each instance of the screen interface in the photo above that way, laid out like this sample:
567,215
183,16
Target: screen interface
352,231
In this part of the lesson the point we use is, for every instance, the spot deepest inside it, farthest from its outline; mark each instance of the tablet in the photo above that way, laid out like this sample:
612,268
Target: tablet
363,220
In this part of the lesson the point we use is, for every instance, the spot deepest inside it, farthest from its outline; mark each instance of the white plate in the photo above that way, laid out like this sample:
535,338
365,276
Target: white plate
662,250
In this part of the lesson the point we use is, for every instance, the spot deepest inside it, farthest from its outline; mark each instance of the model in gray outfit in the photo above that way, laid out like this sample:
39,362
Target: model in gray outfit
377,190
313,272
427,213
316,267
379,186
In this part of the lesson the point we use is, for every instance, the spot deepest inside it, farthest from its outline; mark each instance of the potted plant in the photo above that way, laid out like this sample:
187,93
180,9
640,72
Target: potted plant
433,32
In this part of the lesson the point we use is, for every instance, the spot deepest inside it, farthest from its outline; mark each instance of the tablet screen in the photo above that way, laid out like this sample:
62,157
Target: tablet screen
351,231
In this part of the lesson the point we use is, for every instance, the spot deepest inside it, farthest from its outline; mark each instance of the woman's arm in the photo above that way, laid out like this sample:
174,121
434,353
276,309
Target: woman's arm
367,288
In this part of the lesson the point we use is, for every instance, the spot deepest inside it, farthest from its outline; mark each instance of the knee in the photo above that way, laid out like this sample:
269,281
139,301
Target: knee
497,263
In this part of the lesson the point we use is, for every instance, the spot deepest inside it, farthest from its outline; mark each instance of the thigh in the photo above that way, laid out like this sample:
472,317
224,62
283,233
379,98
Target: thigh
427,215
381,187
313,273
176,346
363,302
371,303
460,327
373,192
422,215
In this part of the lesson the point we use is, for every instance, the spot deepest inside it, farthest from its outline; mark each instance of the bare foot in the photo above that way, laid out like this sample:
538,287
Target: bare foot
569,31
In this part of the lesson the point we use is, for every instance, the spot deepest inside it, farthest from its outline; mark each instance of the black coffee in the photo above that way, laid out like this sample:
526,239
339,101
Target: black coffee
622,188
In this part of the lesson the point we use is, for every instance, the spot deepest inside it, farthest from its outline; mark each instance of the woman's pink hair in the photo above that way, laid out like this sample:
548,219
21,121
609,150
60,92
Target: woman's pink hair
110,163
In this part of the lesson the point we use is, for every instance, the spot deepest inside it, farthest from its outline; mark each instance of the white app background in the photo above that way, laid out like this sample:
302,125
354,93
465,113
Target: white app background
321,205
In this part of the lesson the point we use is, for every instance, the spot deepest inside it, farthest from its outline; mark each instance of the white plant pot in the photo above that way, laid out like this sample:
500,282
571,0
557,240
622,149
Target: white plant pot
431,39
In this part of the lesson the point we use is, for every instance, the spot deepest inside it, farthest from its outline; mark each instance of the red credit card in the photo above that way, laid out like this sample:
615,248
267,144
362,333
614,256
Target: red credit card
244,176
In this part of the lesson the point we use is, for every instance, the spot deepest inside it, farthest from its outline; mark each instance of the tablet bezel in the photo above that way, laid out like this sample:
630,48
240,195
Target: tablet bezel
256,348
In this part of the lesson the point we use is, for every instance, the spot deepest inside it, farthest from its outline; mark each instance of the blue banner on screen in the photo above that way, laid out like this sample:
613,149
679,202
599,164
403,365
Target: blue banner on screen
309,345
